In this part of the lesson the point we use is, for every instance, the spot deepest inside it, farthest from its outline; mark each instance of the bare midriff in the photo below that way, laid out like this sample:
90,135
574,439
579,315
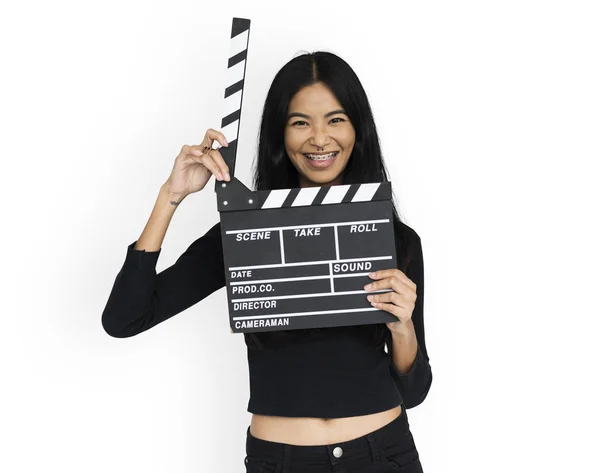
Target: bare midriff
318,431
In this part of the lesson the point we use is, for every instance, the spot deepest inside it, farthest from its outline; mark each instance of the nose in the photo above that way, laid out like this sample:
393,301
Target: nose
320,137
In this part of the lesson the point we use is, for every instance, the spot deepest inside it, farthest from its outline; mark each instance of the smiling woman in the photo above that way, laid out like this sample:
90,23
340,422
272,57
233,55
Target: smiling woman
322,399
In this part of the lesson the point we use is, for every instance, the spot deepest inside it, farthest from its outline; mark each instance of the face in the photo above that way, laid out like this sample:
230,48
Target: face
317,126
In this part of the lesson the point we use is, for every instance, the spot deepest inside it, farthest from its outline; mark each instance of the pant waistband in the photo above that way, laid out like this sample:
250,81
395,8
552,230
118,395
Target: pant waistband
283,452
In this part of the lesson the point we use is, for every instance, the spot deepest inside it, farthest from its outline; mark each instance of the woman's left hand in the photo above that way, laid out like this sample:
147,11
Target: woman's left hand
400,301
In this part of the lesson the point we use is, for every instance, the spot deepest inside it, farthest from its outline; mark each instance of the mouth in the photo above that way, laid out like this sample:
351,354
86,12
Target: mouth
320,160
321,156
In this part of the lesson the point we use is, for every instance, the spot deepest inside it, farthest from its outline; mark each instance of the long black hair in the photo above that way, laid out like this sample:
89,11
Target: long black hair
274,169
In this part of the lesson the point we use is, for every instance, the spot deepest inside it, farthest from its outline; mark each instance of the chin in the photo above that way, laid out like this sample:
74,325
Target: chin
320,179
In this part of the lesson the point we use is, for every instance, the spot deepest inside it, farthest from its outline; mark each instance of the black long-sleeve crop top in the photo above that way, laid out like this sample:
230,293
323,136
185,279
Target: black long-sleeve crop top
338,374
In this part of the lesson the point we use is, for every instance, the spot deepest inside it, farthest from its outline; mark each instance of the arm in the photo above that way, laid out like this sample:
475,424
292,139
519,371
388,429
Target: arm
141,299
409,364
155,230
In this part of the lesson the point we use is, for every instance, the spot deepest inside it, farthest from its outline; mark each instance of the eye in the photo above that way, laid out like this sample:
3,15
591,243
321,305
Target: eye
300,122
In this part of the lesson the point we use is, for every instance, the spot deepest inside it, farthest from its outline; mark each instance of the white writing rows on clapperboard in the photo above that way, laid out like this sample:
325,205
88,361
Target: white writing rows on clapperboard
303,269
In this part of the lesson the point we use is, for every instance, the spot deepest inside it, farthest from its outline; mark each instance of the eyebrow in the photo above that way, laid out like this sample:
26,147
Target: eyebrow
303,115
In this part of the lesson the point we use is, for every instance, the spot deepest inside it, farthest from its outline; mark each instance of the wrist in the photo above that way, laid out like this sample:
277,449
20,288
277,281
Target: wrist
403,329
172,198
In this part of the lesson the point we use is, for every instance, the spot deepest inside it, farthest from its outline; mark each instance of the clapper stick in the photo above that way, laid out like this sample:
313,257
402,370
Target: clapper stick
234,87
297,258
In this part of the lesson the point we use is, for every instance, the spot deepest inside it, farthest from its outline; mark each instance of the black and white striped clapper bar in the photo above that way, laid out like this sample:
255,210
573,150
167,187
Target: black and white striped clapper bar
297,258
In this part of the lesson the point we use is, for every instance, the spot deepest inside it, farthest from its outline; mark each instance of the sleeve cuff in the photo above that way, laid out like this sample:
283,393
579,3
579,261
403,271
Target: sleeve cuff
415,383
417,363
141,259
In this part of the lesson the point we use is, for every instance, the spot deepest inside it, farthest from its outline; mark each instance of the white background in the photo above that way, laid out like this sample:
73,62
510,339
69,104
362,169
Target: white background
488,114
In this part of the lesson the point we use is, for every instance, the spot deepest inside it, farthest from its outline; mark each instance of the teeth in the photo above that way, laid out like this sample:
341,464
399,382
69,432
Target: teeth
322,157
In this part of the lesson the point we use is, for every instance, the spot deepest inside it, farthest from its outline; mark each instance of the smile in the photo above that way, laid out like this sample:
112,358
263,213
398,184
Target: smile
321,157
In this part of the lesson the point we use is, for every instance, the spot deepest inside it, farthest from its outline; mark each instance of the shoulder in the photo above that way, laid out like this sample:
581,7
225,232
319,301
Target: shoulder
215,230
408,230
210,240
407,235
408,250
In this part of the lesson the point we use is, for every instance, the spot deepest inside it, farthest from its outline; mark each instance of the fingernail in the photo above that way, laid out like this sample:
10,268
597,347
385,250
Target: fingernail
368,286
220,176
225,141
370,298
227,176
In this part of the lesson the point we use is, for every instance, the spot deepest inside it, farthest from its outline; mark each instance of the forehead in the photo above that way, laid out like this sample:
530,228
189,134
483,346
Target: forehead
317,96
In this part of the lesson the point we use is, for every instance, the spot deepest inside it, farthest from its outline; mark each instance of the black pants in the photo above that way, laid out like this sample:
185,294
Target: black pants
390,448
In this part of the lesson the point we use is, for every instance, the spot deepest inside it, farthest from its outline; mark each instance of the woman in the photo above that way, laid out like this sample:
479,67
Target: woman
323,400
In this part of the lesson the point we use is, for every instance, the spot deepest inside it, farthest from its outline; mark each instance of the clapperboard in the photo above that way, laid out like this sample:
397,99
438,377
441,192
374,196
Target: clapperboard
297,258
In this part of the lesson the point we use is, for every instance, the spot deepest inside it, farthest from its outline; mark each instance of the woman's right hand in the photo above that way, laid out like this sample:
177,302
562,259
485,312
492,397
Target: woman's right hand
193,167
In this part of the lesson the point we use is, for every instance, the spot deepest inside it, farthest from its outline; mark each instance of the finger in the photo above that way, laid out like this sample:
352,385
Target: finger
393,283
391,308
212,135
381,297
201,149
197,150
187,153
218,159
381,284
385,273
211,165
206,160
391,298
